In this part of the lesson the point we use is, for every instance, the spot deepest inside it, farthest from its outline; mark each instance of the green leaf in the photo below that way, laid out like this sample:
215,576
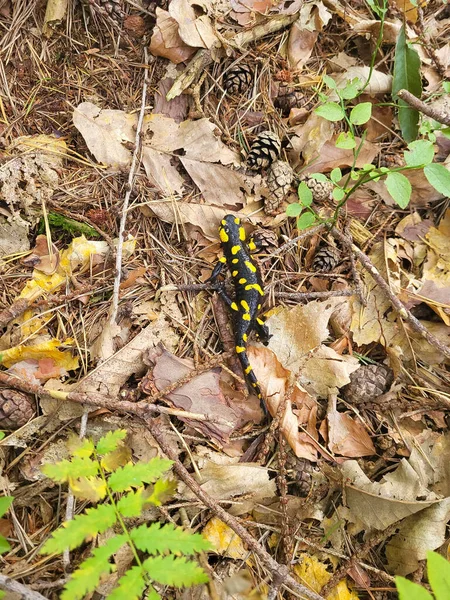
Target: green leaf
73,533
438,575
136,475
345,141
361,113
406,76
331,111
338,194
86,578
4,545
305,194
132,504
111,441
446,86
336,175
5,503
318,177
329,82
71,469
306,220
351,90
80,447
421,152
152,594
368,167
294,209
171,570
157,539
130,586
439,177
399,188
407,590
2,435
2,594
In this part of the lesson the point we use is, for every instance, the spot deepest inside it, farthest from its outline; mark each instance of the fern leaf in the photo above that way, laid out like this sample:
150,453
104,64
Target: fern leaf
132,504
73,533
131,585
157,539
175,571
86,578
88,488
83,448
65,470
110,441
116,458
136,475
162,491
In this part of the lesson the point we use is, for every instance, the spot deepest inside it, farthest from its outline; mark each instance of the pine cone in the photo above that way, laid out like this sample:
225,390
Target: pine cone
16,408
288,98
367,383
300,470
326,259
279,178
111,8
238,79
264,150
266,239
321,190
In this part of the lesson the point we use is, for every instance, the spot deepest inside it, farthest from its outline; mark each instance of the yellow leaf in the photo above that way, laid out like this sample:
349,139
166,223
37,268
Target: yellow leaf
117,458
88,488
47,349
313,573
224,540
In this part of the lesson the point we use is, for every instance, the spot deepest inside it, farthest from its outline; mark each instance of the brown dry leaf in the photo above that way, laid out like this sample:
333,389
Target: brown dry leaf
408,8
312,19
201,395
380,83
412,228
372,28
166,40
347,436
105,132
380,122
245,11
177,108
298,423
195,31
55,13
41,259
380,504
161,171
329,157
309,137
226,479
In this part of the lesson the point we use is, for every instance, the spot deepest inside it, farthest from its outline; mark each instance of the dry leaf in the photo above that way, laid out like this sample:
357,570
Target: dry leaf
224,540
40,257
380,83
166,40
176,109
313,573
161,171
329,157
54,14
346,435
195,31
205,217
372,28
313,18
245,11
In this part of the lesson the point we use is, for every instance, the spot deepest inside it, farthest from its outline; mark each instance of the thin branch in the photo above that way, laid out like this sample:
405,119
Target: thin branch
438,115
403,312
14,586
313,295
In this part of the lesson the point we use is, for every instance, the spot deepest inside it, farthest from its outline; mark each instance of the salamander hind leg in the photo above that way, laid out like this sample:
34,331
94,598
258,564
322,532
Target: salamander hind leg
250,376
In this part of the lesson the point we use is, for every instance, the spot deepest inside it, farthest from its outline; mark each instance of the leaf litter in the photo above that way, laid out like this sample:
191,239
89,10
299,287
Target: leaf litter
361,489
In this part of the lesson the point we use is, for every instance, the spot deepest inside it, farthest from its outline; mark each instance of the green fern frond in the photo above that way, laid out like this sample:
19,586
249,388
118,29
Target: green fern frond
86,578
75,532
136,475
173,570
157,539
71,469
131,585
132,504
110,441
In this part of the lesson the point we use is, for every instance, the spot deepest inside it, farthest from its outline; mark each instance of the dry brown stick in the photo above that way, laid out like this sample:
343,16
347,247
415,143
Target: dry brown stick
299,238
312,295
14,586
252,544
438,115
403,312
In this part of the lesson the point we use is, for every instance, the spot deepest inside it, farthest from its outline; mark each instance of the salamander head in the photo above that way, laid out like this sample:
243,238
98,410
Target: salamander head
231,231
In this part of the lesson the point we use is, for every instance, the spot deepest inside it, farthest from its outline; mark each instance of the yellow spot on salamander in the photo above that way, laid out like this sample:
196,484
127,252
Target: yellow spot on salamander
241,234
242,280
223,222
250,266
260,321
237,220
246,317
235,261
222,259
240,349
254,384
235,249
252,245
245,305
234,306
248,370
259,306
254,286
223,236
234,273
244,337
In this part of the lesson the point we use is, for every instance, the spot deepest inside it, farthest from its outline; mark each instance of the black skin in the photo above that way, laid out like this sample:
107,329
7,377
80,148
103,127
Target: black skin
248,292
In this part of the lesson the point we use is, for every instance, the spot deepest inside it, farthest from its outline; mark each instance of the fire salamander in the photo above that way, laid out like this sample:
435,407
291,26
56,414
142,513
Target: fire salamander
248,291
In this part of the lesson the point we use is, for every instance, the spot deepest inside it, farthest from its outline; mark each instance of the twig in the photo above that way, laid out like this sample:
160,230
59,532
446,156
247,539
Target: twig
438,115
14,586
299,238
126,201
403,312
313,295
252,544
355,275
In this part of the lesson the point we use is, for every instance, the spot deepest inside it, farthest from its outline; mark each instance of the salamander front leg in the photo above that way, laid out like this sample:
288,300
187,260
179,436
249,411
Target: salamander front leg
262,331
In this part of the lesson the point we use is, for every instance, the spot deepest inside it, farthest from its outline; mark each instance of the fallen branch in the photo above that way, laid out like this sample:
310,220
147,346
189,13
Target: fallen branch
438,115
14,586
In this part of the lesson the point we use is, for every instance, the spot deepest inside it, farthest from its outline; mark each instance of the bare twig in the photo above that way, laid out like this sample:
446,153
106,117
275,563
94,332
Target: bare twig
303,236
14,586
313,295
403,312
438,115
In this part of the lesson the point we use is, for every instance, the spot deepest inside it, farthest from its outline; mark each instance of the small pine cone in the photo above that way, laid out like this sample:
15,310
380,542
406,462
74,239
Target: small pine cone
266,239
111,8
326,259
238,79
264,150
367,383
321,190
300,470
16,408
287,99
279,178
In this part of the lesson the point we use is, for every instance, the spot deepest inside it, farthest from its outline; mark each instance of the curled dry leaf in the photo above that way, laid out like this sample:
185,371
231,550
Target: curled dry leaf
313,18
346,435
329,157
380,83
41,258
195,31
166,40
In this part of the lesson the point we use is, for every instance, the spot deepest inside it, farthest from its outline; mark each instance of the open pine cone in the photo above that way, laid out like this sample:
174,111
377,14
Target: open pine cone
367,383
264,151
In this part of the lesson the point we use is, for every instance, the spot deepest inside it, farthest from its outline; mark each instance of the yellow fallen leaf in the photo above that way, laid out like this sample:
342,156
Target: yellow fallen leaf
47,349
313,573
224,540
